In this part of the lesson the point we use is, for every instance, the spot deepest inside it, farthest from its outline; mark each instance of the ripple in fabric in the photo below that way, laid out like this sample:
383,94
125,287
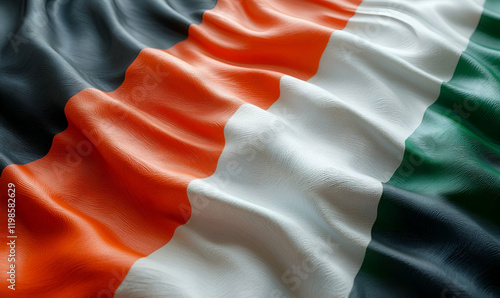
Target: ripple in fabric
51,50
437,231
251,148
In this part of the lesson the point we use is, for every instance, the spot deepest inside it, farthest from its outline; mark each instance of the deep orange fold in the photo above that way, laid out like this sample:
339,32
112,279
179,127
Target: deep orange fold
112,189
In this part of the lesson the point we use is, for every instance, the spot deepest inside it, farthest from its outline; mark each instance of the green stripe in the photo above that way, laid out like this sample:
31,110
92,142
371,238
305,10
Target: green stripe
437,231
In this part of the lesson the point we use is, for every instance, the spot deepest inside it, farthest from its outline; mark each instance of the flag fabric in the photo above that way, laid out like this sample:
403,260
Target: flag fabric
251,148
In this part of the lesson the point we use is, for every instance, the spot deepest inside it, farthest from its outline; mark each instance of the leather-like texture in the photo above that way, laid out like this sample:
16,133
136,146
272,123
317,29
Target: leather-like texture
113,187
51,50
170,182
437,232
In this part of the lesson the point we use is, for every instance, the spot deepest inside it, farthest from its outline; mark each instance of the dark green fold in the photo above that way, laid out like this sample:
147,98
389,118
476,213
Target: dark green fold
437,232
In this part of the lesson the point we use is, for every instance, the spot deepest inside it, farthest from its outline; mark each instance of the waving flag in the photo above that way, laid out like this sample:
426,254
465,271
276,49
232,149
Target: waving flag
251,148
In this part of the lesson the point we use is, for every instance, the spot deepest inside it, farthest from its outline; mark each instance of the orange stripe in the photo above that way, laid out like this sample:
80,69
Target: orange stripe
112,188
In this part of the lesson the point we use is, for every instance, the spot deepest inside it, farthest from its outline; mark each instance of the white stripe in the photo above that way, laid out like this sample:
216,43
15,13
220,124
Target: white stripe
290,207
